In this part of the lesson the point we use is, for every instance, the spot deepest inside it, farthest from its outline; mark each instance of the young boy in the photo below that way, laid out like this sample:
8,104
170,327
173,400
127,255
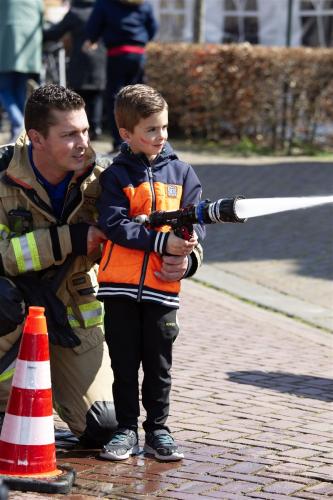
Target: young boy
140,309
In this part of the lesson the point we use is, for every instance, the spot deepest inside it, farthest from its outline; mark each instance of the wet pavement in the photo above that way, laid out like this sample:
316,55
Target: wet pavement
252,389
251,408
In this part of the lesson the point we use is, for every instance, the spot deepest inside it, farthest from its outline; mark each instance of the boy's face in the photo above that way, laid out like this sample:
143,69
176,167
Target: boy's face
149,135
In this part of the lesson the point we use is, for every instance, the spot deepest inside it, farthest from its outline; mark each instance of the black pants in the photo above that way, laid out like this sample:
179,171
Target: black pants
125,69
94,107
140,332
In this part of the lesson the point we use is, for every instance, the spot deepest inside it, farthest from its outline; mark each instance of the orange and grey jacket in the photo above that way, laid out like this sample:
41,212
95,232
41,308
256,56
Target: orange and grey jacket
132,186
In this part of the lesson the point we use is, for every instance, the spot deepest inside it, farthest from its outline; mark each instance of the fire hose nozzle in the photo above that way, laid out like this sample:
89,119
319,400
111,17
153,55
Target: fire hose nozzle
222,210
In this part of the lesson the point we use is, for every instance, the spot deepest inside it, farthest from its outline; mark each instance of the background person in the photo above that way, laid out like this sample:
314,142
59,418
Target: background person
21,23
125,26
86,72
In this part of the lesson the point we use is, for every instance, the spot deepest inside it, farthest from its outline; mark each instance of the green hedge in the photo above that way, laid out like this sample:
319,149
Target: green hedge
274,95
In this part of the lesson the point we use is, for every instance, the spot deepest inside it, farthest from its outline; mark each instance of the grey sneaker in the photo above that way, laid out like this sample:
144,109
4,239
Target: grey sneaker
161,444
123,443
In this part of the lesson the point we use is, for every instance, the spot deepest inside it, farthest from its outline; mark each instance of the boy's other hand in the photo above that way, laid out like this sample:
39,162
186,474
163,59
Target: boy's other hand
94,239
178,246
173,267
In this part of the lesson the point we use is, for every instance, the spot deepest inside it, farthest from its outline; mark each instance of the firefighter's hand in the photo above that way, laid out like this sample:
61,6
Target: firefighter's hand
178,246
94,239
173,268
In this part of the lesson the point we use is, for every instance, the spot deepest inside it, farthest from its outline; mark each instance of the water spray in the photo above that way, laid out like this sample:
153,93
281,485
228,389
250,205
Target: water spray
235,210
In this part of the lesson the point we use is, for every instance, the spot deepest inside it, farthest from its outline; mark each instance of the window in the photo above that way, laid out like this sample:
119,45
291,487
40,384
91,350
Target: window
316,18
240,21
173,18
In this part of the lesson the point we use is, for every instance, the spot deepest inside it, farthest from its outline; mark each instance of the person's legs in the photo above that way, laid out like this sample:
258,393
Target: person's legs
122,334
125,69
159,332
81,385
12,96
94,109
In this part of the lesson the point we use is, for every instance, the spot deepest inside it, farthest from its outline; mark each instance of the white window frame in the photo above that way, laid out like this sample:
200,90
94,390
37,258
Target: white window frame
240,13
187,12
319,13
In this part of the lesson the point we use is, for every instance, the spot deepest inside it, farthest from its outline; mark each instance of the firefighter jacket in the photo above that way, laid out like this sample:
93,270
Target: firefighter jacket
132,186
33,240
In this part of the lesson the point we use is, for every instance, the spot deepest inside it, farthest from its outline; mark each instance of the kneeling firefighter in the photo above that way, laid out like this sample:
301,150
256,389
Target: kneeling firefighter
44,261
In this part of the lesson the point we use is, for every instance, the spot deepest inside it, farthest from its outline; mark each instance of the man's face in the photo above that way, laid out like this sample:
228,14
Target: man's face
65,146
149,135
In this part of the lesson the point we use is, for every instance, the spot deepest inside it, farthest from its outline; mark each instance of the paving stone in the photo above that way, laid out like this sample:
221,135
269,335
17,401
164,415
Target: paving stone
285,487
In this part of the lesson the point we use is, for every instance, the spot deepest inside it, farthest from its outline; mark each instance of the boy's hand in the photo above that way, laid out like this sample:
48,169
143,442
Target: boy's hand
94,239
173,268
178,246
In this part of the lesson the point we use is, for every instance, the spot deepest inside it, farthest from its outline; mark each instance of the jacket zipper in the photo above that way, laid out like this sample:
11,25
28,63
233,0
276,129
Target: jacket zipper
109,256
146,255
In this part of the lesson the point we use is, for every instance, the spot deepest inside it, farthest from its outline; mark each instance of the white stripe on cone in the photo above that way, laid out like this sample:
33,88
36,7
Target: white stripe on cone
28,430
32,375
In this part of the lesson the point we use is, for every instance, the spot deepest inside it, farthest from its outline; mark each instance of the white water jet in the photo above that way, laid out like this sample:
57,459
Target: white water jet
255,207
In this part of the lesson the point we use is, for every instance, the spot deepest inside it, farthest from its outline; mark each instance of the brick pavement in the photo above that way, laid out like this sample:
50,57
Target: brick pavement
250,401
250,407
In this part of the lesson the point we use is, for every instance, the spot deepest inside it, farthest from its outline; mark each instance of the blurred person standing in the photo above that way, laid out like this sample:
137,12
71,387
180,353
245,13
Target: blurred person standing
125,26
86,73
21,25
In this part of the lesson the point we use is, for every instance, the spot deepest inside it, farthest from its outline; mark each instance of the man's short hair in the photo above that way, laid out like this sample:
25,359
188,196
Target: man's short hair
45,99
135,102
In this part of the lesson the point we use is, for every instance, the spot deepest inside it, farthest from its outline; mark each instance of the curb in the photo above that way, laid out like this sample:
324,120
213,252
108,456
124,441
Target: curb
312,314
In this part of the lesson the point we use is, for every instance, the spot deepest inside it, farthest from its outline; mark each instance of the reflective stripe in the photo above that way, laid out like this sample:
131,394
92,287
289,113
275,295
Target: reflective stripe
28,430
26,253
18,254
4,232
32,375
71,318
8,373
92,313
34,251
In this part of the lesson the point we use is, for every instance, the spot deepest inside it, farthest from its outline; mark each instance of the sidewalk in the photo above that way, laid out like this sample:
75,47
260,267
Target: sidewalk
252,389
250,406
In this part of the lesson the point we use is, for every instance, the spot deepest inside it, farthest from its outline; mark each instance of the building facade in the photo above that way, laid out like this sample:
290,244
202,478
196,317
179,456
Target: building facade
266,22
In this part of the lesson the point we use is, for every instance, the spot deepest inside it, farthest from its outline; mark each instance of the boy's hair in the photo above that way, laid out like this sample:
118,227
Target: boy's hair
135,102
38,110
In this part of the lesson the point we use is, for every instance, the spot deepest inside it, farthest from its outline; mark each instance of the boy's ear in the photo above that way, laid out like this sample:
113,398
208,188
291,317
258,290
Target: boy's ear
124,134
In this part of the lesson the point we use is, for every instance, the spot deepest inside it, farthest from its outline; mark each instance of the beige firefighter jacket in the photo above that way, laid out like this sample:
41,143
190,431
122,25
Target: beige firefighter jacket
48,242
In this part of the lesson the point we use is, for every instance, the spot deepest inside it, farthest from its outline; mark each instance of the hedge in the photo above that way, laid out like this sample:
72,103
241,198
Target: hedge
276,95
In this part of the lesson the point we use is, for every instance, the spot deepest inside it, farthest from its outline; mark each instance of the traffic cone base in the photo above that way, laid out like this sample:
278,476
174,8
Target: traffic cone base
50,484
27,442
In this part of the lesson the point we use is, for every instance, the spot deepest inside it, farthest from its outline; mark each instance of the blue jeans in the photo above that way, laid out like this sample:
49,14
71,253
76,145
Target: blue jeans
13,90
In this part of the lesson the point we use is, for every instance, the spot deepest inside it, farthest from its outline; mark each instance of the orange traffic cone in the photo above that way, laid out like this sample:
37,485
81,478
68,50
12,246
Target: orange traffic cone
27,443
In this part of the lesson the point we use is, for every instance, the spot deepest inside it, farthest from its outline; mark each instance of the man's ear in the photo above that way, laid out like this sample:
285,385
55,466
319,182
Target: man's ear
36,138
124,134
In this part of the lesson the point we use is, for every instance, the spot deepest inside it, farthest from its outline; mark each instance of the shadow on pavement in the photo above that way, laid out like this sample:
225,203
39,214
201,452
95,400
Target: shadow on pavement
304,236
305,386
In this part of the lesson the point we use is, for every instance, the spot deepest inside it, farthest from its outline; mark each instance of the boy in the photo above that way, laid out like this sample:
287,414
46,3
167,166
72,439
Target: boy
140,309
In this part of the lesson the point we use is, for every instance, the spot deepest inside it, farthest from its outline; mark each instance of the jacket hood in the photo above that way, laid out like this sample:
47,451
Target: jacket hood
136,161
